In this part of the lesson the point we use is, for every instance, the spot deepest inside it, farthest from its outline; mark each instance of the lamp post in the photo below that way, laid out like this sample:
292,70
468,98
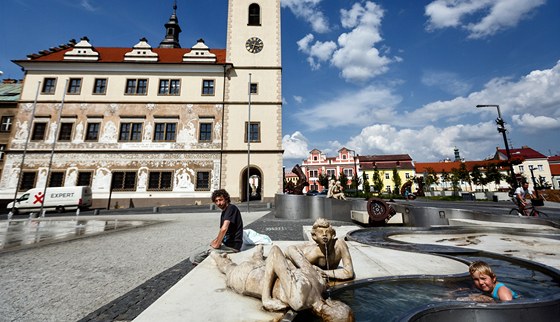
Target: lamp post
502,129
355,179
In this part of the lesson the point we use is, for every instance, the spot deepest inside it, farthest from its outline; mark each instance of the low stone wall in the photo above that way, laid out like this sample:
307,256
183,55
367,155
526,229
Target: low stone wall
313,207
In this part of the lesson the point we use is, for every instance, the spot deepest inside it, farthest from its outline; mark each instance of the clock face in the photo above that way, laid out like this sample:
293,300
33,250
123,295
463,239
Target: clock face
254,45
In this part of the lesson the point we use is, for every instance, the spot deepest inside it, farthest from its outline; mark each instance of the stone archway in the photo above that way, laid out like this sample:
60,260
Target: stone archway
255,182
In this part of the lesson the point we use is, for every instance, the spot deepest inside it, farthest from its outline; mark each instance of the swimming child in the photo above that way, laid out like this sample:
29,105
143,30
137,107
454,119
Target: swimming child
485,280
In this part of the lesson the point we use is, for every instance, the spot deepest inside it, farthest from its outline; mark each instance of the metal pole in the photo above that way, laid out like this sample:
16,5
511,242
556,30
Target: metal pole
249,146
52,149
25,146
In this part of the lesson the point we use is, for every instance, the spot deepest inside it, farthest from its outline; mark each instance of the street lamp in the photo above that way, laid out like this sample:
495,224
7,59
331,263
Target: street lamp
355,179
502,129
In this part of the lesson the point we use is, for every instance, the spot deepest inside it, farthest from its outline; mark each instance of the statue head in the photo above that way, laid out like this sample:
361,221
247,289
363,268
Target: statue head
333,311
322,232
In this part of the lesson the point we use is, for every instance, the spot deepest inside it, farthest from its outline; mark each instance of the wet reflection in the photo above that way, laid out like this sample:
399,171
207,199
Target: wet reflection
21,233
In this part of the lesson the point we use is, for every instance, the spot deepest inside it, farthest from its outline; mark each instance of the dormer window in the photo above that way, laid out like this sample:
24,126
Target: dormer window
254,15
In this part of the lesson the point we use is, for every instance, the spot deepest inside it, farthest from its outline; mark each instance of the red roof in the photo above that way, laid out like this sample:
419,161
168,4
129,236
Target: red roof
439,167
555,169
116,55
525,152
554,159
383,165
386,157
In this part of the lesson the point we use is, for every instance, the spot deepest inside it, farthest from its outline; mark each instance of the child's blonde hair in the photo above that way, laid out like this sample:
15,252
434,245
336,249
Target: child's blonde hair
481,267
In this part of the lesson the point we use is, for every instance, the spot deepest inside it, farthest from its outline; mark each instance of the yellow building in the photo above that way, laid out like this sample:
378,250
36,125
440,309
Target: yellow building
386,165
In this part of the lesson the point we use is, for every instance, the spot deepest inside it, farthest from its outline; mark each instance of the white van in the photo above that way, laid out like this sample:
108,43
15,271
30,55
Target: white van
57,198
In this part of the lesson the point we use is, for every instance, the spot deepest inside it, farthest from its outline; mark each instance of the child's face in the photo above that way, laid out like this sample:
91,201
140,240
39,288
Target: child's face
483,282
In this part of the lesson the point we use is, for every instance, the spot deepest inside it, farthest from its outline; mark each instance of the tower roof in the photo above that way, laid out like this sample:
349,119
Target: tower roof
172,31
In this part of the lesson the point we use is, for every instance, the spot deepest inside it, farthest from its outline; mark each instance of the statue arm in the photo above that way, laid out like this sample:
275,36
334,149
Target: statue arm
346,272
275,268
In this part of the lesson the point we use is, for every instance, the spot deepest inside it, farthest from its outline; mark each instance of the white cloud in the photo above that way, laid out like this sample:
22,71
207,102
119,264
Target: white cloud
497,15
426,144
357,107
318,52
446,81
295,146
309,11
86,4
530,123
298,99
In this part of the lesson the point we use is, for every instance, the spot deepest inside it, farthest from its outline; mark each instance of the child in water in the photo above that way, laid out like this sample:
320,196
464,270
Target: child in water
485,280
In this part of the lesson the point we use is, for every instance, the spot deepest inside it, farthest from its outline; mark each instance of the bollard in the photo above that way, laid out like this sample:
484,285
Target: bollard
268,205
156,210
212,207
77,211
96,212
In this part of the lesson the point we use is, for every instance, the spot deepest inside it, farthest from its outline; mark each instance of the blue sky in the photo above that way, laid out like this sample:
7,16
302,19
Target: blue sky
379,77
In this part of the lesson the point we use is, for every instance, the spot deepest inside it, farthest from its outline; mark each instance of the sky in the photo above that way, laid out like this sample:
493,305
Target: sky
378,77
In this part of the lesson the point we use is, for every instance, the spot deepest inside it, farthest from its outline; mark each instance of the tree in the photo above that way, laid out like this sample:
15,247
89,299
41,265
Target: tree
455,179
464,174
377,181
476,175
493,174
343,179
396,180
324,180
366,184
431,177
444,178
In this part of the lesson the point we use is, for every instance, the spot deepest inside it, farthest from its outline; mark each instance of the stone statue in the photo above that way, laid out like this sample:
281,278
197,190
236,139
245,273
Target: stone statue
281,285
326,252
79,136
22,131
148,132
337,191
109,133
52,132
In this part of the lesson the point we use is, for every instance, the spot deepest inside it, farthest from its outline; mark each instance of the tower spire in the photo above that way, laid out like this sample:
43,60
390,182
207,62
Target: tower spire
172,30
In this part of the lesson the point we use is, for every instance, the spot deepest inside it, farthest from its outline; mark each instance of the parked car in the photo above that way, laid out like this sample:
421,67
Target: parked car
312,193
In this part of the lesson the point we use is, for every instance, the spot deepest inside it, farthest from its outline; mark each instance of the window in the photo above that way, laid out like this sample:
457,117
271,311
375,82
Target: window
254,132
169,87
39,130
136,86
130,132
254,88
313,173
160,181
6,123
407,175
540,167
531,167
521,168
254,15
330,173
49,85
348,172
74,86
92,132
2,149
386,176
208,87
65,132
84,178
100,86
56,179
388,189
205,132
123,181
165,131
203,180
27,181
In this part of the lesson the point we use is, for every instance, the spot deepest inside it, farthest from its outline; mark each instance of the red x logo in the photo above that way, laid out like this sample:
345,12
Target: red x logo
39,197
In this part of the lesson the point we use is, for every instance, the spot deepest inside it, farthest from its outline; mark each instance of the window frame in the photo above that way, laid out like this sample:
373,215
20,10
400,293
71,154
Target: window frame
6,123
125,182
208,87
34,134
89,131
74,86
207,132
254,88
49,85
27,183
80,176
160,180
100,89
133,131
254,15
258,124
201,181
173,87
59,176
65,131
165,133
138,87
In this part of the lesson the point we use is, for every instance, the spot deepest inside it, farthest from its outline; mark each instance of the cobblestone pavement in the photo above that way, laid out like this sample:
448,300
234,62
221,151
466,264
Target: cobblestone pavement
110,277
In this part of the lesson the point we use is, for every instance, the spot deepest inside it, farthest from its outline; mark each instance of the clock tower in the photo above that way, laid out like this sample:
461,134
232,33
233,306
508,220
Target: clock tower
253,100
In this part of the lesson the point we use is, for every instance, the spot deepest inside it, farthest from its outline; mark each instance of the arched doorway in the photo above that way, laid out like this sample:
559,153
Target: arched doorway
254,186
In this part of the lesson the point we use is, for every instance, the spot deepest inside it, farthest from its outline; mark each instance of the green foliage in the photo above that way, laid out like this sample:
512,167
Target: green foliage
377,181
343,180
431,177
477,176
493,174
324,180
366,184
455,179
396,181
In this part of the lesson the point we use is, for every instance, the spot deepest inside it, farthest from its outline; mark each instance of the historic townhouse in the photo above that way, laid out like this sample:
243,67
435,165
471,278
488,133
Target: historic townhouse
318,163
163,125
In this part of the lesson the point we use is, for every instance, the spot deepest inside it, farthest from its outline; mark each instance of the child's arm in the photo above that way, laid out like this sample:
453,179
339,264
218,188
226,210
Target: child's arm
505,294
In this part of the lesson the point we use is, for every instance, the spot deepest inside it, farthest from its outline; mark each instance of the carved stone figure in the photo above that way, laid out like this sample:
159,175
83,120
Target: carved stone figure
22,131
109,133
79,136
71,177
326,252
337,191
148,132
183,180
102,179
281,284
52,132
142,179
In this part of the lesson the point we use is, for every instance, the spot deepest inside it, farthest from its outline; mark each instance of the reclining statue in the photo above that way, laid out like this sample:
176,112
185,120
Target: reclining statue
282,284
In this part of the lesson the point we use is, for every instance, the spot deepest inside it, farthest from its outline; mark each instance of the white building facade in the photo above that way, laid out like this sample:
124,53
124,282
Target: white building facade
155,126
